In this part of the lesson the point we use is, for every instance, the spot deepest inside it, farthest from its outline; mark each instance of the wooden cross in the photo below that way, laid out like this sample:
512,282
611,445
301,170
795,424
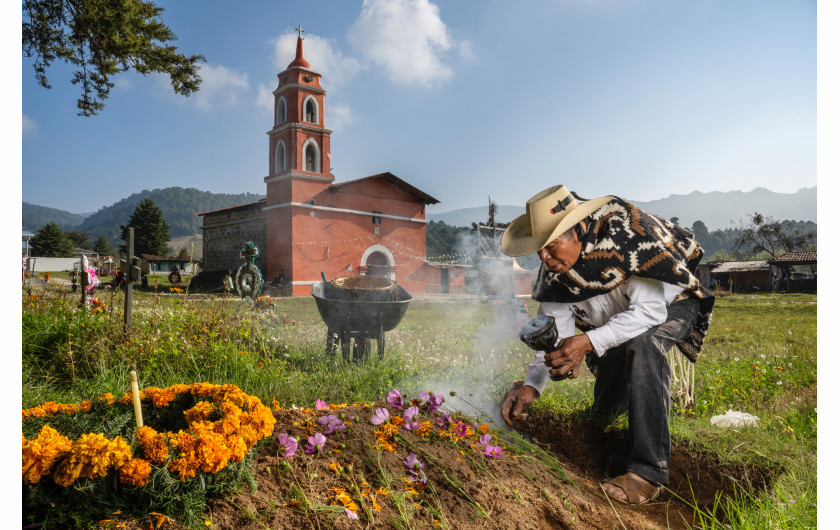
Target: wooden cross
300,31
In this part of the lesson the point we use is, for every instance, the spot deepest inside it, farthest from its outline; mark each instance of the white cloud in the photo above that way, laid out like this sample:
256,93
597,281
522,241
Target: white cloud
29,126
220,87
339,115
405,37
265,99
323,54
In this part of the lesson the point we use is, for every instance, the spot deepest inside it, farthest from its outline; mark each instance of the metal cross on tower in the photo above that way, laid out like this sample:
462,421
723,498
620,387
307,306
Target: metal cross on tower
300,31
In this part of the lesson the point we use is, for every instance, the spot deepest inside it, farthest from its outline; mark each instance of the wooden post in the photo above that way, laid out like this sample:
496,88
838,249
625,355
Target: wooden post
129,292
135,397
83,280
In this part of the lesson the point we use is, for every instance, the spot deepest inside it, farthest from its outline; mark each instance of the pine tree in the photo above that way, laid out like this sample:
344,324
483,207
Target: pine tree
151,231
102,38
103,246
51,242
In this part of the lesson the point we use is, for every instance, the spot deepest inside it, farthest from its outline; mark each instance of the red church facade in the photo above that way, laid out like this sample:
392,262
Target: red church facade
314,226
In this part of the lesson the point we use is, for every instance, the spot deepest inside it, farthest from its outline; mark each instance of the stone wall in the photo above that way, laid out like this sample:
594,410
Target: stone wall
226,232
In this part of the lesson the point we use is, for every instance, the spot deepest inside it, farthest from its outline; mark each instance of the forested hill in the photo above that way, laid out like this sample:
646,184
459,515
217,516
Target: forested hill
34,217
179,206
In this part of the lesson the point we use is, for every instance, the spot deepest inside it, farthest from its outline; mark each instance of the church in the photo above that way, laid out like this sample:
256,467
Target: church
309,226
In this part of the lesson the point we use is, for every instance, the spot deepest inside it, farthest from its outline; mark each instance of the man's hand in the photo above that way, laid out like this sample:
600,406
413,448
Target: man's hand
516,401
565,361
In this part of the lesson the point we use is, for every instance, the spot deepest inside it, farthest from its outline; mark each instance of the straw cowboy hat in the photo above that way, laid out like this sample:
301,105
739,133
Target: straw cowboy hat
547,215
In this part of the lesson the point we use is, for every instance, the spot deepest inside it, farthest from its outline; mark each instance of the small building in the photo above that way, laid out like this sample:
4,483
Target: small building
743,276
151,264
798,272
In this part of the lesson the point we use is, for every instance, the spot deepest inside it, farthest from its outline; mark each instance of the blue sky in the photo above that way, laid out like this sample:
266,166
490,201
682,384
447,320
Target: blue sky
463,99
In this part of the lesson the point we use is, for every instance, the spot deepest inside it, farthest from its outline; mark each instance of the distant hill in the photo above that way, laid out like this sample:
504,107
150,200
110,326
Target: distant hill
718,210
179,206
34,217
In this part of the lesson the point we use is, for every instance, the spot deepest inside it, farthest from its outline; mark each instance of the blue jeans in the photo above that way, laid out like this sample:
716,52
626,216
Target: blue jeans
635,378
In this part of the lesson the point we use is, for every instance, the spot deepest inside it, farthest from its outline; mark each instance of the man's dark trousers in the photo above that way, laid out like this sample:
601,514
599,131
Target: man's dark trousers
635,378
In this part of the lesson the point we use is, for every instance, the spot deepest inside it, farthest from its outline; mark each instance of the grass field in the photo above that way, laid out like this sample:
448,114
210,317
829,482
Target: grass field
760,357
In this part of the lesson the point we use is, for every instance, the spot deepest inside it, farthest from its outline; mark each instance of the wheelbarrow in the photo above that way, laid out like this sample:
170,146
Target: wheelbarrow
357,309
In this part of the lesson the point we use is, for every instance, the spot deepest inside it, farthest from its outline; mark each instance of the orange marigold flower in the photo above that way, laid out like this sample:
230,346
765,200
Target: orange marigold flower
185,467
238,448
42,452
396,420
135,472
212,452
153,444
200,411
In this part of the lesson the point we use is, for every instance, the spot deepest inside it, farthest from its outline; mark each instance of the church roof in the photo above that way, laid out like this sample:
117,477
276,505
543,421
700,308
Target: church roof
261,201
425,198
299,60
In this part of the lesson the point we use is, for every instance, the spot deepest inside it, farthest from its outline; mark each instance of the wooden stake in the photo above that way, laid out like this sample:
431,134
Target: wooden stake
135,395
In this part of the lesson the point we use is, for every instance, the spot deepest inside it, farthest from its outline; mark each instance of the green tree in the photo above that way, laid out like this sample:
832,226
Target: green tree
79,239
151,231
102,38
765,235
51,242
102,245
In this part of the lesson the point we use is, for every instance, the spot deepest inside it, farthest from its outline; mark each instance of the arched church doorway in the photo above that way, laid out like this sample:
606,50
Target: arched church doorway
377,265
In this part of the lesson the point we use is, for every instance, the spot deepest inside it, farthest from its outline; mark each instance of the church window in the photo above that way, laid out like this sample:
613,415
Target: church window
280,157
281,111
310,110
311,157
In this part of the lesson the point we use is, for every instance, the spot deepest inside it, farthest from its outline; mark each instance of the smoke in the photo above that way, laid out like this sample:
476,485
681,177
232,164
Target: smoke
494,349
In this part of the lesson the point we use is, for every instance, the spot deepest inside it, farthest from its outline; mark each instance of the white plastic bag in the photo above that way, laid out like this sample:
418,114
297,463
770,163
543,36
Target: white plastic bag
734,418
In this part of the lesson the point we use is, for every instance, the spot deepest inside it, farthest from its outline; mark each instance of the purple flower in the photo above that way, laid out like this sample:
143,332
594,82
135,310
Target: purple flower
320,404
461,429
333,423
412,463
380,416
315,443
494,451
434,400
418,476
410,418
395,398
286,444
350,513
484,440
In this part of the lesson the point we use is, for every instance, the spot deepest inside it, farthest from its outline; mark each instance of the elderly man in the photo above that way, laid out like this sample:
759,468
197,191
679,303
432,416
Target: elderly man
626,279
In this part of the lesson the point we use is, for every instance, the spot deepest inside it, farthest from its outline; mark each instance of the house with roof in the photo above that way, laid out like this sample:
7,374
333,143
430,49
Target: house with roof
311,227
798,271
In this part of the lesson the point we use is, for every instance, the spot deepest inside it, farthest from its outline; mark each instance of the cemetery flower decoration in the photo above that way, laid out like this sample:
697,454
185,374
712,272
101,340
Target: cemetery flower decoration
222,426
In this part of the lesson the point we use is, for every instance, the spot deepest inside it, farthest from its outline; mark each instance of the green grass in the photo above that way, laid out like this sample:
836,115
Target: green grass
760,357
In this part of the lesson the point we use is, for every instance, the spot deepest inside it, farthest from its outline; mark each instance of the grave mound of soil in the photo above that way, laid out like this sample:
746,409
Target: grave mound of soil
465,490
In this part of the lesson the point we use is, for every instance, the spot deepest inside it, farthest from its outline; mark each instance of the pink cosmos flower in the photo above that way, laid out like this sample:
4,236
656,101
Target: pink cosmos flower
320,404
434,401
410,418
395,398
484,440
494,451
333,423
413,463
350,513
380,416
461,429
286,444
315,443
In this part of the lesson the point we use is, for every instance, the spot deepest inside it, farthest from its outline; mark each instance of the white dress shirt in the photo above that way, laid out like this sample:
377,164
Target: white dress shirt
619,315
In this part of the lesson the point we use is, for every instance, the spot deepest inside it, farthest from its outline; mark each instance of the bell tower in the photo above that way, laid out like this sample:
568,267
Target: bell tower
298,164
299,143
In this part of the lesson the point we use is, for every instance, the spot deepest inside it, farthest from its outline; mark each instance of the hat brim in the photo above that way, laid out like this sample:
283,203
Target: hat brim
518,241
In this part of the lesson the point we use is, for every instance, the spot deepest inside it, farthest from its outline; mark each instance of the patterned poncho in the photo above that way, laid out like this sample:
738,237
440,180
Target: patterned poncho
621,240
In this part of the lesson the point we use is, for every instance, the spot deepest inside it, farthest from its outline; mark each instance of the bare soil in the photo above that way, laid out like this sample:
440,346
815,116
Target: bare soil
514,493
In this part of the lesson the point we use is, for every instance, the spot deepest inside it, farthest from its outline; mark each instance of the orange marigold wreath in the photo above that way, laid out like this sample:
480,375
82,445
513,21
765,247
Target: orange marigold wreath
204,445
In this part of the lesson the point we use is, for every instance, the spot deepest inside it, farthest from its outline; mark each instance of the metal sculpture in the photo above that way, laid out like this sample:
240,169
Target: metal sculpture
249,281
